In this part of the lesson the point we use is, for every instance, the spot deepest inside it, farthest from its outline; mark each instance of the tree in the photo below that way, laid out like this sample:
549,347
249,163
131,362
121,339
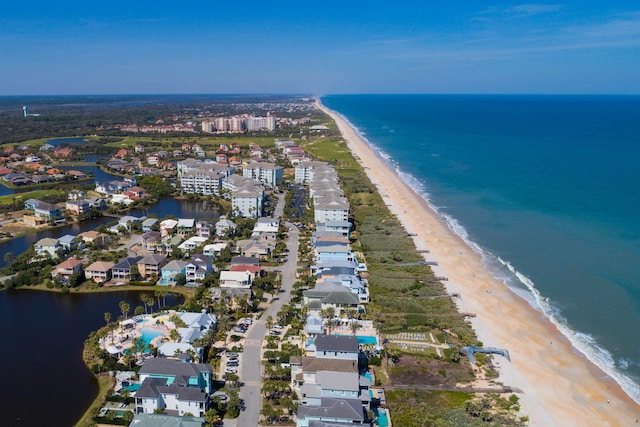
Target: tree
174,335
163,294
269,322
150,302
125,308
181,279
107,319
211,416
354,326
8,259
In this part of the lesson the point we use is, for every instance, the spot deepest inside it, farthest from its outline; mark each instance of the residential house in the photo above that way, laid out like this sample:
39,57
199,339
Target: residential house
236,279
336,347
151,240
265,225
122,269
186,226
155,420
99,271
48,211
135,193
77,207
33,221
332,411
197,269
148,223
213,250
170,271
150,265
331,295
192,244
94,237
225,227
47,246
68,242
168,227
67,268
30,204
173,385
203,229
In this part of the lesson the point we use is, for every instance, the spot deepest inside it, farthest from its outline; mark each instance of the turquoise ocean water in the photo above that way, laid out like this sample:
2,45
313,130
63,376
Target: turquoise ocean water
545,188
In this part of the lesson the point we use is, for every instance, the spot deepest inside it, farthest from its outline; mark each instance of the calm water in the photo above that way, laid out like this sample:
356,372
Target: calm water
166,206
546,188
42,355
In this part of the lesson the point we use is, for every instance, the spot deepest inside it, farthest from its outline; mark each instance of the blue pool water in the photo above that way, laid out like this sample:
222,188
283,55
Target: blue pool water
149,334
369,377
366,339
132,387
383,421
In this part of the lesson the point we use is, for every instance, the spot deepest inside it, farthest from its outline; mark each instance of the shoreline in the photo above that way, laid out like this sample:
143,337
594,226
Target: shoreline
560,385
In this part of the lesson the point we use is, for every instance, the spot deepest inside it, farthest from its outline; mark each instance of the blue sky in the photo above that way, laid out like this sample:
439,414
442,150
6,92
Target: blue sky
115,47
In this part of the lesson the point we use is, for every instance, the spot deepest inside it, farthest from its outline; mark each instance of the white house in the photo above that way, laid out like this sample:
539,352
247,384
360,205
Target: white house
236,279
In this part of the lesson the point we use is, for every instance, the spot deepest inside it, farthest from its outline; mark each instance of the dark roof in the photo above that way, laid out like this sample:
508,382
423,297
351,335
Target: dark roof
247,260
154,259
336,343
127,263
315,364
350,409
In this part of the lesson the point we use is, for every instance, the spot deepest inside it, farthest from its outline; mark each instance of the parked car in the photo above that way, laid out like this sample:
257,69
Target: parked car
233,363
274,332
231,370
232,354
278,326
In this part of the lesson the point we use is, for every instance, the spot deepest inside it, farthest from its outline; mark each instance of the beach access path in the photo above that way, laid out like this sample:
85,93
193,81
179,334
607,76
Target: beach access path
561,387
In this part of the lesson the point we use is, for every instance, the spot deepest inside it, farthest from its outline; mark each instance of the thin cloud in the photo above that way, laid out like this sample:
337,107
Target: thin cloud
521,11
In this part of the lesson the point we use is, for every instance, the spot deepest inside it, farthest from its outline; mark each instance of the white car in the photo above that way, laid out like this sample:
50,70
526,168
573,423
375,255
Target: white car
230,370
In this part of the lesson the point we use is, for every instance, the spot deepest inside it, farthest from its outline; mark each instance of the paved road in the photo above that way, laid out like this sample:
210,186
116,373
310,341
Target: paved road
250,370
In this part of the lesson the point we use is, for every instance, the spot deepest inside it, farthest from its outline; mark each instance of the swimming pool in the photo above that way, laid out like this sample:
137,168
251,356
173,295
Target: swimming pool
148,334
365,339
382,421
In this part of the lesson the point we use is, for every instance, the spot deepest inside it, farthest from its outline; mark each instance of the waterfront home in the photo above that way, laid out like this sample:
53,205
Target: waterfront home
122,269
48,211
94,237
168,227
186,226
67,242
342,227
99,271
47,246
127,221
136,193
170,272
173,385
197,269
236,279
353,283
213,250
305,368
225,227
327,252
169,243
67,268
339,385
148,223
150,265
336,347
77,207
330,295
331,412
33,221
120,199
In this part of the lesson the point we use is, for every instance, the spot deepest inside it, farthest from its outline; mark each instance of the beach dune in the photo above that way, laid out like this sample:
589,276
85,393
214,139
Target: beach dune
560,386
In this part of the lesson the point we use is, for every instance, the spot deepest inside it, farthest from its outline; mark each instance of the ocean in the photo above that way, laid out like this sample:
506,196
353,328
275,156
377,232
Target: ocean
545,188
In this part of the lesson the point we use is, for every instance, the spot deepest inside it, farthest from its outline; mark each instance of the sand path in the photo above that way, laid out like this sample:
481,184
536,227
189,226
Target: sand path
561,387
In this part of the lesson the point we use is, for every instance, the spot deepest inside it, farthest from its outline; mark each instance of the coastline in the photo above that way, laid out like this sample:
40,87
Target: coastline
560,385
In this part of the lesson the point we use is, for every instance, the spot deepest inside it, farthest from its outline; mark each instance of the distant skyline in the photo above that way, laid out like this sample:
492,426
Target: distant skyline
115,47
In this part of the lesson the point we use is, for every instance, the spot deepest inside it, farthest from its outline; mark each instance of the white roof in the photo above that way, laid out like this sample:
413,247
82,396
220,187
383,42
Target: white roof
169,223
186,222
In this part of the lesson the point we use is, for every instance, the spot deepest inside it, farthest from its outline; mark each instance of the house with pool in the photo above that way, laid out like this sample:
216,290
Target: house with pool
174,386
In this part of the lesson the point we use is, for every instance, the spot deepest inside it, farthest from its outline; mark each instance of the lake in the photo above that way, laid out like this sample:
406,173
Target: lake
46,381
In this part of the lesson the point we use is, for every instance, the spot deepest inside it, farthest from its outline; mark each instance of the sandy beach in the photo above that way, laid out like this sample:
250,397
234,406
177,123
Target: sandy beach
560,386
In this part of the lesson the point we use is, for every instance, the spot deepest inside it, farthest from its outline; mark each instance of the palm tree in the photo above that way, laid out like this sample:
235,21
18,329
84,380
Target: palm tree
8,259
124,308
107,319
354,326
174,335
150,302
